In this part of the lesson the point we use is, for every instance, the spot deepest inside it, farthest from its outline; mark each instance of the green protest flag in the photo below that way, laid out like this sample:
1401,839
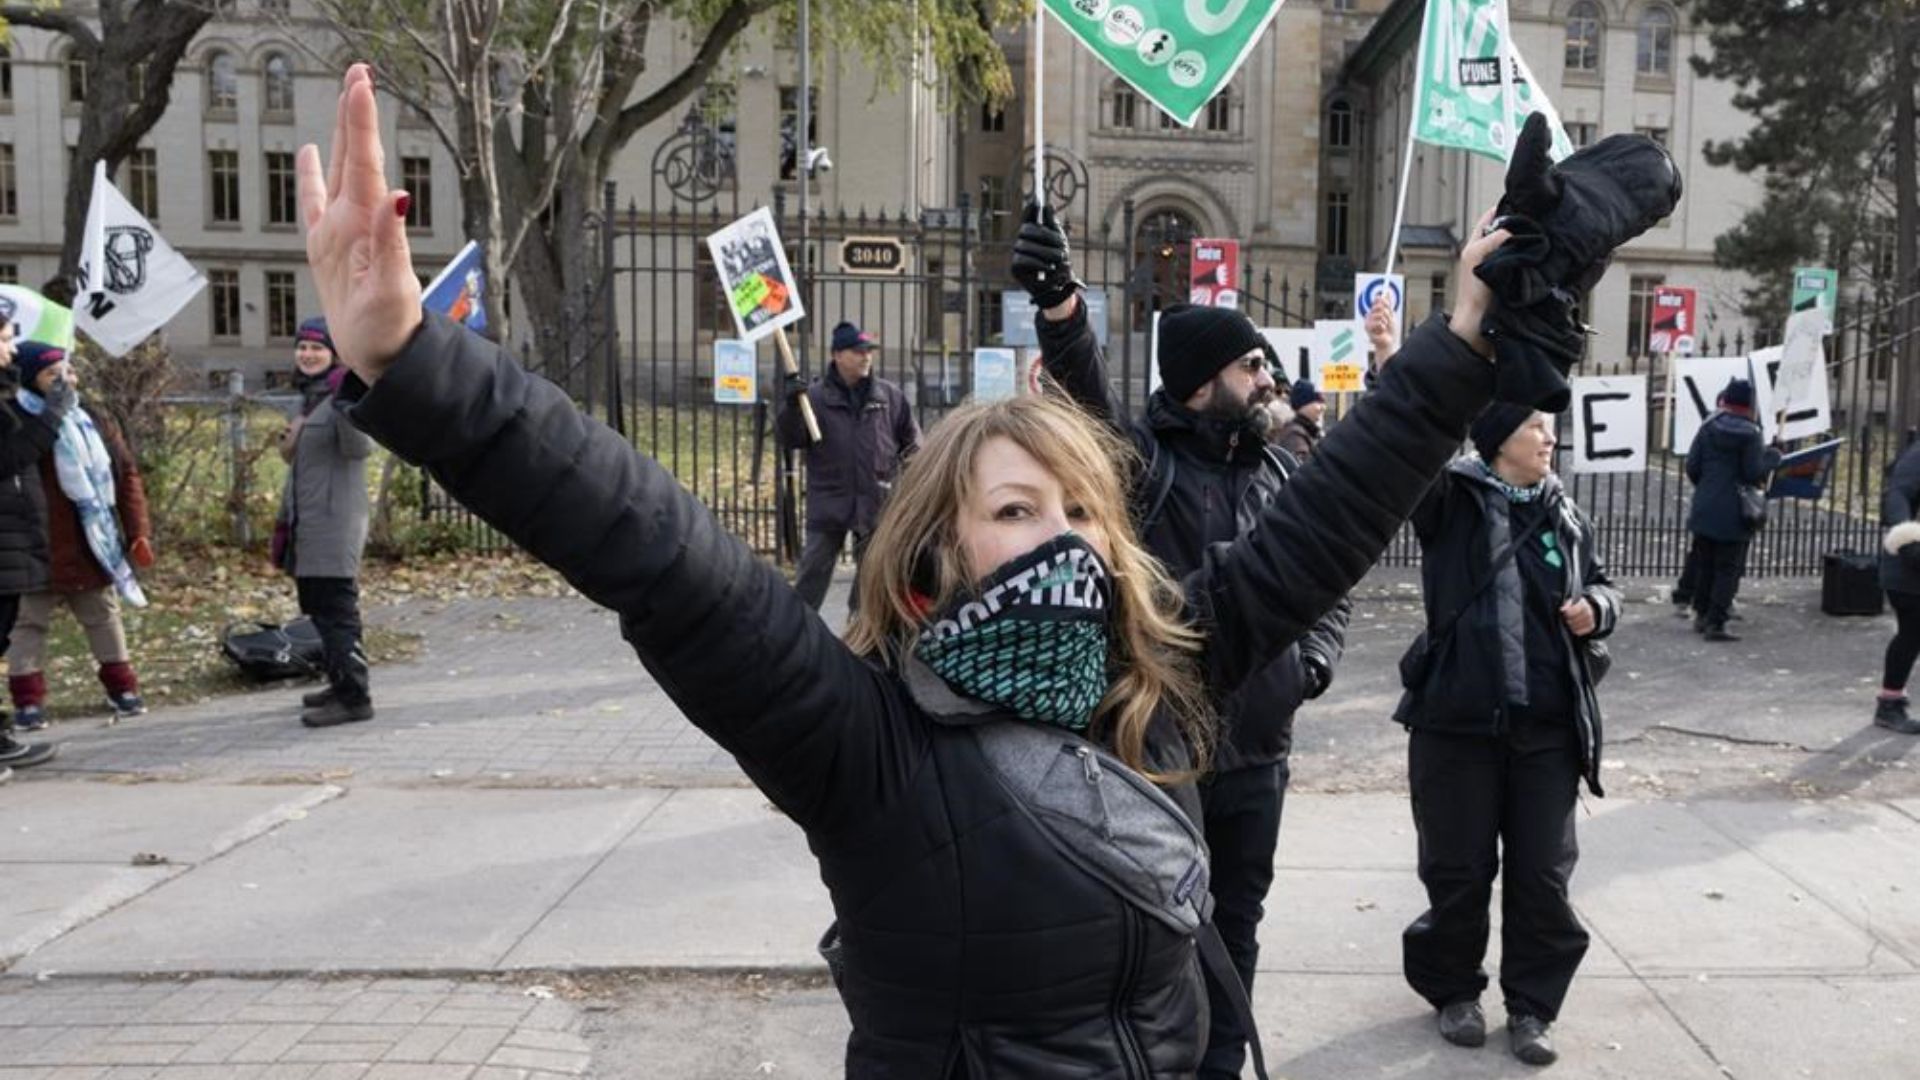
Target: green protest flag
1177,53
1459,100
36,318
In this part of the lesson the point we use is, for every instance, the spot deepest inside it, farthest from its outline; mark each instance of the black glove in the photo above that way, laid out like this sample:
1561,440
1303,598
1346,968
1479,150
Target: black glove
792,385
1041,264
60,398
1566,220
1317,675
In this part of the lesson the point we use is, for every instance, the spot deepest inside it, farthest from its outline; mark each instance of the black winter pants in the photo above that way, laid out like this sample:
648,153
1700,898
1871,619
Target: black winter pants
1696,566
334,606
1475,799
9,614
818,558
1241,809
1905,646
1723,564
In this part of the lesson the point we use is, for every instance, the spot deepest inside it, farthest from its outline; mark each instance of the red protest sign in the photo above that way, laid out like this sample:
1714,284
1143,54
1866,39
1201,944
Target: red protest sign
1673,327
1216,273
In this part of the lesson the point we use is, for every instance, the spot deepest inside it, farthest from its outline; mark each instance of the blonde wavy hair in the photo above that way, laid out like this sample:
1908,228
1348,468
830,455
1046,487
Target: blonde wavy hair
1152,646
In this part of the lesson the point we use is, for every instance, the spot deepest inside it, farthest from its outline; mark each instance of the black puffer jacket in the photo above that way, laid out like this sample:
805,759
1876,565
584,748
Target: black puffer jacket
1479,670
972,948
1727,452
1900,505
1221,479
864,436
24,440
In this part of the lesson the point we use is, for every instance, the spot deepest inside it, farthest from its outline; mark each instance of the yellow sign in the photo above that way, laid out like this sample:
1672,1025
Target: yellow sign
1342,378
738,384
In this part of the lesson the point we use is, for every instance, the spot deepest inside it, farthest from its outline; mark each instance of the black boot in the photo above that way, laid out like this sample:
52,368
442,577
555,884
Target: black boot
1719,632
1528,1039
350,700
19,755
1891,713
1464,1024
313,699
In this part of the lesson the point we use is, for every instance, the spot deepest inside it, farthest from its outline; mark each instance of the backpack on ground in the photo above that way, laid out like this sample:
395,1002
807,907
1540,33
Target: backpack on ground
264,651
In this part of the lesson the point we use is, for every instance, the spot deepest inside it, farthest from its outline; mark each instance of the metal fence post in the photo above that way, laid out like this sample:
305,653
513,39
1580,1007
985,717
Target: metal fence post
238,468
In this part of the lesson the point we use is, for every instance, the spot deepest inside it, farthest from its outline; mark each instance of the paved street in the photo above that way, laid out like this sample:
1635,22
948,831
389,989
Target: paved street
531,866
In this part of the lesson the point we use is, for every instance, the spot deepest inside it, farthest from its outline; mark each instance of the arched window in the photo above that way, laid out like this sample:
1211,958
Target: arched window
1163,239
1653,47
1583,36
278,75
6,73
1124,107
1340,126
1219,111
76,78
223,81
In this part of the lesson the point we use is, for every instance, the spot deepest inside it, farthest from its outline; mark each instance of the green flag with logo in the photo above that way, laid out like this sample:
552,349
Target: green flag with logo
1458,99
1178,53
35,318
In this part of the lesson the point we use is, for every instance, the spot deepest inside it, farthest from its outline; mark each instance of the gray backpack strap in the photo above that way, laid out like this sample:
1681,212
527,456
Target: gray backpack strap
1219,967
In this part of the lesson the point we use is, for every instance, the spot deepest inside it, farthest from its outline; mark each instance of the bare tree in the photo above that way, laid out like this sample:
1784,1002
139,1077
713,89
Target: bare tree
129,52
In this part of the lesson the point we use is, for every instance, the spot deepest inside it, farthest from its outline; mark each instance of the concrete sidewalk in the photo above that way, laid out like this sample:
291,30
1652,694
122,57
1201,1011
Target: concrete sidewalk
530,865
1754,939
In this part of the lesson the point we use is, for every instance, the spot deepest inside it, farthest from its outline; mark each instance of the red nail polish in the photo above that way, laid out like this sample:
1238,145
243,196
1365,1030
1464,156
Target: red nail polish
402,204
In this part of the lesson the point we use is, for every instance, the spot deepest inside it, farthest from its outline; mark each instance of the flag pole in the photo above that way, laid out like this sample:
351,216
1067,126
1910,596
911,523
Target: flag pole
1506,77
1413,125
1039,104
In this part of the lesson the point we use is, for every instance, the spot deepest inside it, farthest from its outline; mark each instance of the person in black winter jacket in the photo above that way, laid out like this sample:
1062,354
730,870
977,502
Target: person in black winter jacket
1900,577
25,566
1004,599
1504,725
1728,453
866,430
1205,473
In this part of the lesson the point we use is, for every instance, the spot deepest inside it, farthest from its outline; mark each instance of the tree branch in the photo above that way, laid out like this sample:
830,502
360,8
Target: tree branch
58,21
731,23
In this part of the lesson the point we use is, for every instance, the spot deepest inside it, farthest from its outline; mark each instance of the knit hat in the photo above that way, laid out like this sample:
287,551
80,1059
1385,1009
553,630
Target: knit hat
1303,394
1739,394
849,336
1492,428
315,329
1196,342
30,358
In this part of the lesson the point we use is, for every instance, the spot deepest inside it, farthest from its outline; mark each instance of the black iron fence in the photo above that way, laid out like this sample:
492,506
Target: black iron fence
940,291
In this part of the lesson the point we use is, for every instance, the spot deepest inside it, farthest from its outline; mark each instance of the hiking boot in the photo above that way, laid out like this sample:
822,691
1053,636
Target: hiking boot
337,712
30,718
1699,624
126,705
1527,1037
1719,632
1464,1024
1891,713
314,699
17,754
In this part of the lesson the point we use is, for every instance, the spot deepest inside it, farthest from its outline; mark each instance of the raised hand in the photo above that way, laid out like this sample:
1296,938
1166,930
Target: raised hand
357,237
1383,328
1470,308
1041,262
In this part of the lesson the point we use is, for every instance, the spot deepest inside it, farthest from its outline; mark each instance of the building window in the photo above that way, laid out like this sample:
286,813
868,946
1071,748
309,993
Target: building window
141,174
225,293
278,74
273,7
416,177
1340,126
993,118
1436,297
223,187
1640,310
9,185
1337,206
283,190
223,82
9,273
76,79
1582,134
1125,109
1653,47
987,314
283,305
1219,114
1583,36
1657,134
1166,121
994,205
790,127
6,73
1341,5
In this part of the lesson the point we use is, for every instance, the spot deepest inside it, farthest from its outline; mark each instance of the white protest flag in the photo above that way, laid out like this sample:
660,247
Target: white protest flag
131,280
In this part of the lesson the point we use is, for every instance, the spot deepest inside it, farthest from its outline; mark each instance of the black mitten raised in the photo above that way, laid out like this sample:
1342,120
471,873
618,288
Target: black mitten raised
1566,220
1041,262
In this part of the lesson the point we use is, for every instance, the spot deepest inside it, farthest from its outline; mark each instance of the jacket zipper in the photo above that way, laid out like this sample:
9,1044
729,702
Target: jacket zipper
1589,704
1090,766
1131,1057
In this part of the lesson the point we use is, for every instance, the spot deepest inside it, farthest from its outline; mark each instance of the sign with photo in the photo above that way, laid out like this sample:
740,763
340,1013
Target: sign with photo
736,372
754,275
1216,273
